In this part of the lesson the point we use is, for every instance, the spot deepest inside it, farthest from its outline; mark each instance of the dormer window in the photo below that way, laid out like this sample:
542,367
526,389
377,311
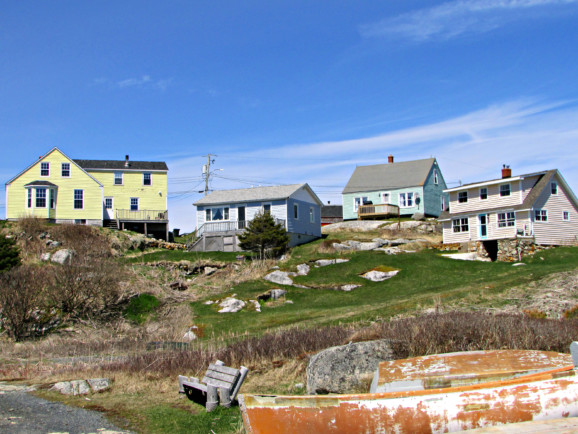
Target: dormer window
462,196
44,169
504,190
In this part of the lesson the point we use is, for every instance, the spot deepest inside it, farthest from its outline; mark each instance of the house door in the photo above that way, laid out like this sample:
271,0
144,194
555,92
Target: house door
241,217
483,223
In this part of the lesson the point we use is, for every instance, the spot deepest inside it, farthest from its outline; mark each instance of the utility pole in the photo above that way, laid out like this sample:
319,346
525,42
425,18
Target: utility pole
207,172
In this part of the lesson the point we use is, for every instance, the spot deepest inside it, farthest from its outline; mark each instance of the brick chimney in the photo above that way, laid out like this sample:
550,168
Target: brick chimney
390,158
506,172
126,161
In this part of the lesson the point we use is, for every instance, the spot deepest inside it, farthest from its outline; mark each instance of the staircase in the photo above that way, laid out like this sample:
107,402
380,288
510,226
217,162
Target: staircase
110,224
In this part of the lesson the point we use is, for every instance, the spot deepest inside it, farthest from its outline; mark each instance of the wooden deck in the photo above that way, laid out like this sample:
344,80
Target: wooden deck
374,211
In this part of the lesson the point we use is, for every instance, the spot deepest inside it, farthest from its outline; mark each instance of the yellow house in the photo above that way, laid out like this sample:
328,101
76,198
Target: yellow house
122,194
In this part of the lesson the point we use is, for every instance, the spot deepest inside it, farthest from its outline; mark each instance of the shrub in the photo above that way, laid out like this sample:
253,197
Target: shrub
263,235
9,255
571,313
326,246
140,307
21,299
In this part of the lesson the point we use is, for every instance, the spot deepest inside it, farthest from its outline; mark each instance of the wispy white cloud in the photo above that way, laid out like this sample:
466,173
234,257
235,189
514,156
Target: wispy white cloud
145,81
455,18
527,134
129,82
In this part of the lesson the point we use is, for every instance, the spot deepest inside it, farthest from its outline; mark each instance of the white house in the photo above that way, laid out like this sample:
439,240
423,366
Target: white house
222,215
538,208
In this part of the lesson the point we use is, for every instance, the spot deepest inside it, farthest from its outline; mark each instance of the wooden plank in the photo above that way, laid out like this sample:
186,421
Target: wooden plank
218,383
223,369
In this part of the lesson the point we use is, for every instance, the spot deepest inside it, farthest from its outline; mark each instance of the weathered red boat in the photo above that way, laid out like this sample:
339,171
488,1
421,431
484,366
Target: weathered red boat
430,394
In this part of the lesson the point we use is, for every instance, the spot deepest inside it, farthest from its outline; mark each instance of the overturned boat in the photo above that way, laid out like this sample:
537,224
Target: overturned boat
431,394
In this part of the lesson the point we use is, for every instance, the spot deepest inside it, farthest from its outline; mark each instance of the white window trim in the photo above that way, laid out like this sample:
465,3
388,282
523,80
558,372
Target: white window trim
443,202
295,211
62,170
111,201
36,198
483,188
436,177
466,197
509,190
564,215
121,178
51,198
48,164
143,179
137,204
506,220
74,198
361,201
461,222
543,215
406,199
554,185
383,194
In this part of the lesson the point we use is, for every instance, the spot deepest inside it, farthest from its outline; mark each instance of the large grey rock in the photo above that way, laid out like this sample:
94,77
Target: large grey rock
45,257
231,305
276,294
75,387
379,276
62,256
399,242
346,369
326,262
303,269
279,277
98,384
340,247
348,287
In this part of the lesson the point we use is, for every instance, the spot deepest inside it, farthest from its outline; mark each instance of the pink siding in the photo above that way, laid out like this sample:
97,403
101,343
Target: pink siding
494,199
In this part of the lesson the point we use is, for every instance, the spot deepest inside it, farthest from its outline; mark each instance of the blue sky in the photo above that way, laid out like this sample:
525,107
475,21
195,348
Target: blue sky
291,91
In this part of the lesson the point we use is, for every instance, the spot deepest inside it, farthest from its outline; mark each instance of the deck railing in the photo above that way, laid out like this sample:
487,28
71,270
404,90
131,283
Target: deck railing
377,210
227,226
142,215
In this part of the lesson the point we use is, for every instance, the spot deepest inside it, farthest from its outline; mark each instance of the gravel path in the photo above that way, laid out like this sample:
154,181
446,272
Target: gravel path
21,412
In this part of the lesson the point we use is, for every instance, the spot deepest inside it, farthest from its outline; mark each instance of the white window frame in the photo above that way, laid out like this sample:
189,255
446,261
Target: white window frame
506,219
296,211
566,216
44,167
406,200
208,215
358,201
117,176
311,215
436,177
460,225
385,195
132,201
65,167
554,188
505,190
111,202
462,197
29,198
52,198
484,191
78,195
541,215
443,202
150,178
40,197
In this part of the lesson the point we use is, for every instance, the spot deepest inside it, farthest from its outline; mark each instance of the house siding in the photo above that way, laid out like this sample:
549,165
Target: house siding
556,230
434,192
494,199
303,225
349,212
64,211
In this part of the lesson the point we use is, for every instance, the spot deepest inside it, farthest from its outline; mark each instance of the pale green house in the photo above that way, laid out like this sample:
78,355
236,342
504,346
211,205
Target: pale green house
408,187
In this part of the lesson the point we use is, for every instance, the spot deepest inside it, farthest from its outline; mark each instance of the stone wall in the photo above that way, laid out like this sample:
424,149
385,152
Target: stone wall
509,250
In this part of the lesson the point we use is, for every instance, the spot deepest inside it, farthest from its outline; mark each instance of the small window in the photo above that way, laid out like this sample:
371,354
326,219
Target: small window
566,216
541,215
217,214
65,170
483,193
80,221
40,198
311,215
436,177
207,215
460,225
384,197
44,169
443,202
134,203
147,179
506,219
462,196
504,190
295,211
554,188
29,198
108,202
117,178
226,213
405,200
52,194
78,199
267,208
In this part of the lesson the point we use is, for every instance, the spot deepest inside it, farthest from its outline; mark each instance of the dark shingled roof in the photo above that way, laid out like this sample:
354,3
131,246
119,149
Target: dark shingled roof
332,211
389,176
120,165
542,182
40,184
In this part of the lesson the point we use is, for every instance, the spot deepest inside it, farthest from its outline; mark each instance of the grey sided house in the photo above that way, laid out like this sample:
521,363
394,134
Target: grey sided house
511,213
404,188
222,215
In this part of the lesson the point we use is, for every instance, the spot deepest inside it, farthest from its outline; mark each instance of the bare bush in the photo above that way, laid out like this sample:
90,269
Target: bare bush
21,300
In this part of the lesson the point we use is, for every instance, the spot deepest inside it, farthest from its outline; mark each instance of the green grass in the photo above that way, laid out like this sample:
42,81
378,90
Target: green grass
141,307
425,278
180,255
165,419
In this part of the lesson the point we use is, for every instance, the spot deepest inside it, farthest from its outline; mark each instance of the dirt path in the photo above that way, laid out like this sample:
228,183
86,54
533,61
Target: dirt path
21,412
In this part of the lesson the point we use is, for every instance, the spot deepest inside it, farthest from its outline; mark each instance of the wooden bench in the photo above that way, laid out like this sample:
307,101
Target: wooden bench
220,383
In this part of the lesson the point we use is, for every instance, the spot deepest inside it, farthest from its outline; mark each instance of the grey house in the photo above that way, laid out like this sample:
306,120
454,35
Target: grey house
407,187
222,215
